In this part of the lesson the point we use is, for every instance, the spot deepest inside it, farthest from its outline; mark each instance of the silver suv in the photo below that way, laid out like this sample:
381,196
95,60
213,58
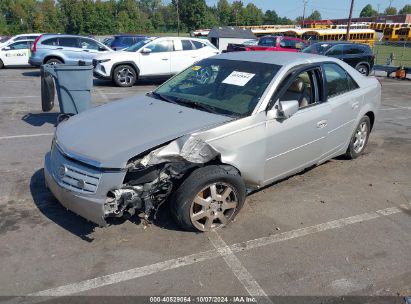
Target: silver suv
69,49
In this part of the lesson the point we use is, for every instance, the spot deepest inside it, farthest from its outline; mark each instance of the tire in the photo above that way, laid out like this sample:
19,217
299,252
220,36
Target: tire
199,203
363,69
53,61
124,76
359,139
1,64
47,92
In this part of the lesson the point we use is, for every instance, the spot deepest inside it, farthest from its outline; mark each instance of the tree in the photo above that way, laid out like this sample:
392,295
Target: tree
368,11
193,13
270,17
315,15
237,13
72,16
223,12
390,11
405,10
252,15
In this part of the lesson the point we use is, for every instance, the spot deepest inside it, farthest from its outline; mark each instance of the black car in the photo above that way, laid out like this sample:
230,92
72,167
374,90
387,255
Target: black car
357,55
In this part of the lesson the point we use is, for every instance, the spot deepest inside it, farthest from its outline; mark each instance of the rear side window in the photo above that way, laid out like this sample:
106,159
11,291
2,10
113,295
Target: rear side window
126,40
51,41
68,41
338,80
353,49
288,44
187,45
198,44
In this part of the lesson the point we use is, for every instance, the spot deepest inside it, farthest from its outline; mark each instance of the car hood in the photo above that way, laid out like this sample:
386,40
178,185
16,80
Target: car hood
108,136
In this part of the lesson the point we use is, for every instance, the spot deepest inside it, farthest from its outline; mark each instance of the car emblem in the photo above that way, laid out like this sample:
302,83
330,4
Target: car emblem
62,171
81,183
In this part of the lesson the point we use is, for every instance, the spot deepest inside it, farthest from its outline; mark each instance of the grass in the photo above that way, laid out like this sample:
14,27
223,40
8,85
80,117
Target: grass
401,53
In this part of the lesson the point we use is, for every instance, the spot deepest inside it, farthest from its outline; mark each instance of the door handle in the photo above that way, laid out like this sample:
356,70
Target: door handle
354,105
194,56
86,51
321,124
164,58
59,48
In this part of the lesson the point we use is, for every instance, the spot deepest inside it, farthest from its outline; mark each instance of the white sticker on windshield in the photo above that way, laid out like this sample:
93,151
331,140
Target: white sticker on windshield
238,78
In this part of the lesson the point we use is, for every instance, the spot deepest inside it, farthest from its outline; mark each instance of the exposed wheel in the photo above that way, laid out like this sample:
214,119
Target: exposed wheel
359,139
53,61
363,69
124,76
209,198
1,64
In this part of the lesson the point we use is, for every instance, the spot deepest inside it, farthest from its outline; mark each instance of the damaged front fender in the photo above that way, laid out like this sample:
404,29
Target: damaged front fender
186,148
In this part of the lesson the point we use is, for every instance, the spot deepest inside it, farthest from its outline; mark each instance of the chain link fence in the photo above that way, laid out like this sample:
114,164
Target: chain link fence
393,53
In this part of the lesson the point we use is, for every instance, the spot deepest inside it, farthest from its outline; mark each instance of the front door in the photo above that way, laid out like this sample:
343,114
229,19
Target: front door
298,141
17,53
156,62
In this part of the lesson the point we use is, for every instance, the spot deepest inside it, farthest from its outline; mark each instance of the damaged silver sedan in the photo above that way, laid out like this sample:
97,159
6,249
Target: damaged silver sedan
228,125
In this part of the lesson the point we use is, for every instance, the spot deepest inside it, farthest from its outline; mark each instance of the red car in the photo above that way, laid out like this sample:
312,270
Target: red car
272,43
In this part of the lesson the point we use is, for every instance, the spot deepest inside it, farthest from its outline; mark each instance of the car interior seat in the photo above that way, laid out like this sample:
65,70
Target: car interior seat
298,90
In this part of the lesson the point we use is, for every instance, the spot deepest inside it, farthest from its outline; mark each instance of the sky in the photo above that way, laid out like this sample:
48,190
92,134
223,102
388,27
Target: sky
329,9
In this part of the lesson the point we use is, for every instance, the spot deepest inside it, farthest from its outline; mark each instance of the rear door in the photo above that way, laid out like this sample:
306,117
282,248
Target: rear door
353,54
16,53
69,46
91,49
344,98
183,56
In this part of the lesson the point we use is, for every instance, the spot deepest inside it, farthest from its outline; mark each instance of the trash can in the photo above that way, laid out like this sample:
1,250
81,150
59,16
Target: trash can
73,84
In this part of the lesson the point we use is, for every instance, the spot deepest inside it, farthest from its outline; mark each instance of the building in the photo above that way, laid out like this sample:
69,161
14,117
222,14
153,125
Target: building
221,36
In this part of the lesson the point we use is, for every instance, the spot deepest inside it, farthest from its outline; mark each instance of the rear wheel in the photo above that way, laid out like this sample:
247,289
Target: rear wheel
359,139
363,69
124,76
1,64
209,198
54,61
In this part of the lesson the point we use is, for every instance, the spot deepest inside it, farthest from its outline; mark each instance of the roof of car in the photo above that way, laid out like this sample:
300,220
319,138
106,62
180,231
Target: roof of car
129,35
340,42
278,58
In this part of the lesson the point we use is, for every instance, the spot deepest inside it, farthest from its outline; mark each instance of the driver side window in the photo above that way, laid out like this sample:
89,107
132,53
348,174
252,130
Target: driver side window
161,46
302,88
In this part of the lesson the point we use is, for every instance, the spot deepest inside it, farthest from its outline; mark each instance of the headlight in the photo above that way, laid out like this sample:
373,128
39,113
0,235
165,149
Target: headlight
103,60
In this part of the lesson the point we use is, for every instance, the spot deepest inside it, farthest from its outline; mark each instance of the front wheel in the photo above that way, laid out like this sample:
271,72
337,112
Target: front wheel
1,64
209,198
124,76
359,139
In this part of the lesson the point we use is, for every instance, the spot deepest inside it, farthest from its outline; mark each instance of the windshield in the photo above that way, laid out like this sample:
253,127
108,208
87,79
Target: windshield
318,48
138,45
227,87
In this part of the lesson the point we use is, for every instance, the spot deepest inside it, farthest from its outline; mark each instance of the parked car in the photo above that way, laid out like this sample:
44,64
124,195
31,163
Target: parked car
272,43
8,40
232,47
15,53
121,42
229,123
152,57
357,55
107,41
69,49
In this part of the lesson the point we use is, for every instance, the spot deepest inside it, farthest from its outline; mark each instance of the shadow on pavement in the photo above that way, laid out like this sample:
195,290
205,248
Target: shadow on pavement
39,119
51,208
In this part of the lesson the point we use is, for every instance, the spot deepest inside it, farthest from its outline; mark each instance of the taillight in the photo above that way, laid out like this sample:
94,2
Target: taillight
34,47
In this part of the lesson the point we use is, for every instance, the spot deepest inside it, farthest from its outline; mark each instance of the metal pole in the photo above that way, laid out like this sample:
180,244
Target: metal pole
349,21
178,21
305,3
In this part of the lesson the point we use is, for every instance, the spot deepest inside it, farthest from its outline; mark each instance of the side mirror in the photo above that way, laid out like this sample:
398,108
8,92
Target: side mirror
102,49
146,51
284,110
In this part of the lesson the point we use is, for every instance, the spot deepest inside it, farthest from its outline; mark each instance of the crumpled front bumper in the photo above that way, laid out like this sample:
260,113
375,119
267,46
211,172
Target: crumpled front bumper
88,206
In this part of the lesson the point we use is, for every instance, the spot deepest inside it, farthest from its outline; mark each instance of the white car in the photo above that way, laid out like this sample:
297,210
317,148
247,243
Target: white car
16,53
152,57
9,40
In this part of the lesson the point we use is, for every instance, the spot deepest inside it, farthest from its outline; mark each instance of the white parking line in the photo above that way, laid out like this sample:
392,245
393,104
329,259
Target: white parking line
139,272
26,135
12,97
243,275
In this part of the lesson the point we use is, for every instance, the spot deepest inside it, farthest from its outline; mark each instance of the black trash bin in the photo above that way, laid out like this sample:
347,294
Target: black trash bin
73,84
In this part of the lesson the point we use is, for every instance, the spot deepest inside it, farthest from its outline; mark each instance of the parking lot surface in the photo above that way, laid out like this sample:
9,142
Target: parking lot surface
342,228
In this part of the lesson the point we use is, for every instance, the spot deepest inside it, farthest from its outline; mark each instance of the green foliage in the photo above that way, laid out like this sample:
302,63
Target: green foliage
314,16
368,11
405,10
390,11
102,17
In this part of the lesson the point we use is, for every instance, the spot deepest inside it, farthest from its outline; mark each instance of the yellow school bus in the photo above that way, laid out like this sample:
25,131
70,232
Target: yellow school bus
367,36
390,34
404,34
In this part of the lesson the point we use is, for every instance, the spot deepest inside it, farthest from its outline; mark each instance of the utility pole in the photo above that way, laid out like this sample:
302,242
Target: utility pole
349,21
178,21
305,4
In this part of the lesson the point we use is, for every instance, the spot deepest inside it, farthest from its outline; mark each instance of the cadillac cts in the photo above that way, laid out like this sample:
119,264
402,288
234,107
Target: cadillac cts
209,135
